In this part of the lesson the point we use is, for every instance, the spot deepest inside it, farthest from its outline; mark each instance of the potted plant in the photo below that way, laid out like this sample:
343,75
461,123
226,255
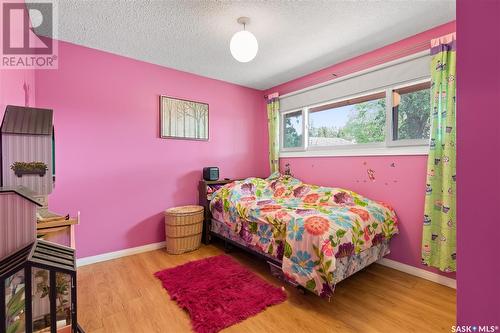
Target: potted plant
29,168
15,305
62,291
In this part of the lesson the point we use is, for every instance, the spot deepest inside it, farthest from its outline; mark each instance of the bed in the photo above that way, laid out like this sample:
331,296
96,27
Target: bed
317,236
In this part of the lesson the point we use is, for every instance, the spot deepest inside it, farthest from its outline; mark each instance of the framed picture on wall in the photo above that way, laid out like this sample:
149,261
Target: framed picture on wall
183,119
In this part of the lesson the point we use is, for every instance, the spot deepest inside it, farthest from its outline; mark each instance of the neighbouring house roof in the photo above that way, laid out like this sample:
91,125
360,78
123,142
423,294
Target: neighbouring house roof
26,120
322,141
22,191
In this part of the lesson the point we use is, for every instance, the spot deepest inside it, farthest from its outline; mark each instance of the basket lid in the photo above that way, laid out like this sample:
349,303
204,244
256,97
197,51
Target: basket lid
190,209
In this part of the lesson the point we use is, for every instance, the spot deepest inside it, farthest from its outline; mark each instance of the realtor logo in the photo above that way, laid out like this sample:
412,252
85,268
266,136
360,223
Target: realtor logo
22,47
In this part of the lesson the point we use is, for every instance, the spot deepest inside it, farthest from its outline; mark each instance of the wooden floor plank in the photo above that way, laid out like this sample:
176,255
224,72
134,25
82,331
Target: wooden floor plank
123,296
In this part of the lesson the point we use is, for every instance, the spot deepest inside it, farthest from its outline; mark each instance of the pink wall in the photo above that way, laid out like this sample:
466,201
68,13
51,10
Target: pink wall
478,165
110,163
17,86
13,83
403,186
402,48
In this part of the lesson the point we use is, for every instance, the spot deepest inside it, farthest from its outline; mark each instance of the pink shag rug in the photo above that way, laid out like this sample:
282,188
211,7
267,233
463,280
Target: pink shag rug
218,292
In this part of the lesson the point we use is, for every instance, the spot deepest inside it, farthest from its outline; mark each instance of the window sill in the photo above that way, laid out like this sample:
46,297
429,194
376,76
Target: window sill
372,151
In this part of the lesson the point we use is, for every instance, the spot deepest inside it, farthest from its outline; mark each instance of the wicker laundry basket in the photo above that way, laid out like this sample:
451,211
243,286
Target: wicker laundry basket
183,228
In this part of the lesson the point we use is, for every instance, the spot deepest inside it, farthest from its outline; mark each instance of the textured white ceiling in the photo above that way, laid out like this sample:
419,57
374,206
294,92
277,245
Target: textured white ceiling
295,37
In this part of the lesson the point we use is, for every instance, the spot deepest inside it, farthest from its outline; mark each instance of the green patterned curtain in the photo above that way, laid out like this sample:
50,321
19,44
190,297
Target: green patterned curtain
439,231
273,109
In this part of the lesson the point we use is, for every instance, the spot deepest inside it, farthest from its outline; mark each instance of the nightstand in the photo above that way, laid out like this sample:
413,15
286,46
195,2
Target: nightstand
206,189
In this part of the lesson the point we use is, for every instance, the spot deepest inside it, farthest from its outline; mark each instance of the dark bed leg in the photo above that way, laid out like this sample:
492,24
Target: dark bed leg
301,290
227,247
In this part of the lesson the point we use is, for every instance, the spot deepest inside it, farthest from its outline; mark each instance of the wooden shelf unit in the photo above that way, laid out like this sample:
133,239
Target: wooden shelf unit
56,226
204,200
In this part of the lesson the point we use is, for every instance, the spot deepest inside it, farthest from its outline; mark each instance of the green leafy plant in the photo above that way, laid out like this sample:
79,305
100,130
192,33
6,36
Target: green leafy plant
413,113
62,288
28,166
15,306
292,137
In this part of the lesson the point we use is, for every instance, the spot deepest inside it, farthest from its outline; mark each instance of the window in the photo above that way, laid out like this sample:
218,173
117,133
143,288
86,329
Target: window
354,121
394,120
292,130
411,112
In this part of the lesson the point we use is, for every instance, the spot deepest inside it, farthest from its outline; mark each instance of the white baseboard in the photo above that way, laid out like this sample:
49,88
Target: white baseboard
421,273
118,254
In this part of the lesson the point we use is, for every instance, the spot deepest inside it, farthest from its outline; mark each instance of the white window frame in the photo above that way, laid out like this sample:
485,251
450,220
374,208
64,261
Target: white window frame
387,147
404,142
282,132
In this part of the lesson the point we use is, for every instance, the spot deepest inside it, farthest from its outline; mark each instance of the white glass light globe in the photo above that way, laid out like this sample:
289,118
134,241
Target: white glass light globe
244,46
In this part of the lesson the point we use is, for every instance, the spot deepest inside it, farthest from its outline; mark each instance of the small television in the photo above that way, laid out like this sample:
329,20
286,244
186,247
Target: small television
211,173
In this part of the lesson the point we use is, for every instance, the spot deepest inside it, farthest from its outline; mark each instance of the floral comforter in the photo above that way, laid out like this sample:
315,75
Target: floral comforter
307,226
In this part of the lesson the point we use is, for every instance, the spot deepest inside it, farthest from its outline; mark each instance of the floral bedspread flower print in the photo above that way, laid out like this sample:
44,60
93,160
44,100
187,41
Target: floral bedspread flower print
308,226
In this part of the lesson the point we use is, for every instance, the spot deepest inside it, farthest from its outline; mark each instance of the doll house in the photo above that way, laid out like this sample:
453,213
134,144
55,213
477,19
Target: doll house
27,149
37,278
17,215
39,290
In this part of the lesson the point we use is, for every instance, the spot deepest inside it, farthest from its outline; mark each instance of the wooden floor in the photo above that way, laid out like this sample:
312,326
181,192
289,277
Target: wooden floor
123,296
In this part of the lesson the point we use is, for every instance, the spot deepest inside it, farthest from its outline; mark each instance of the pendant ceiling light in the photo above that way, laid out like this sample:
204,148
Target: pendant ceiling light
243,44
